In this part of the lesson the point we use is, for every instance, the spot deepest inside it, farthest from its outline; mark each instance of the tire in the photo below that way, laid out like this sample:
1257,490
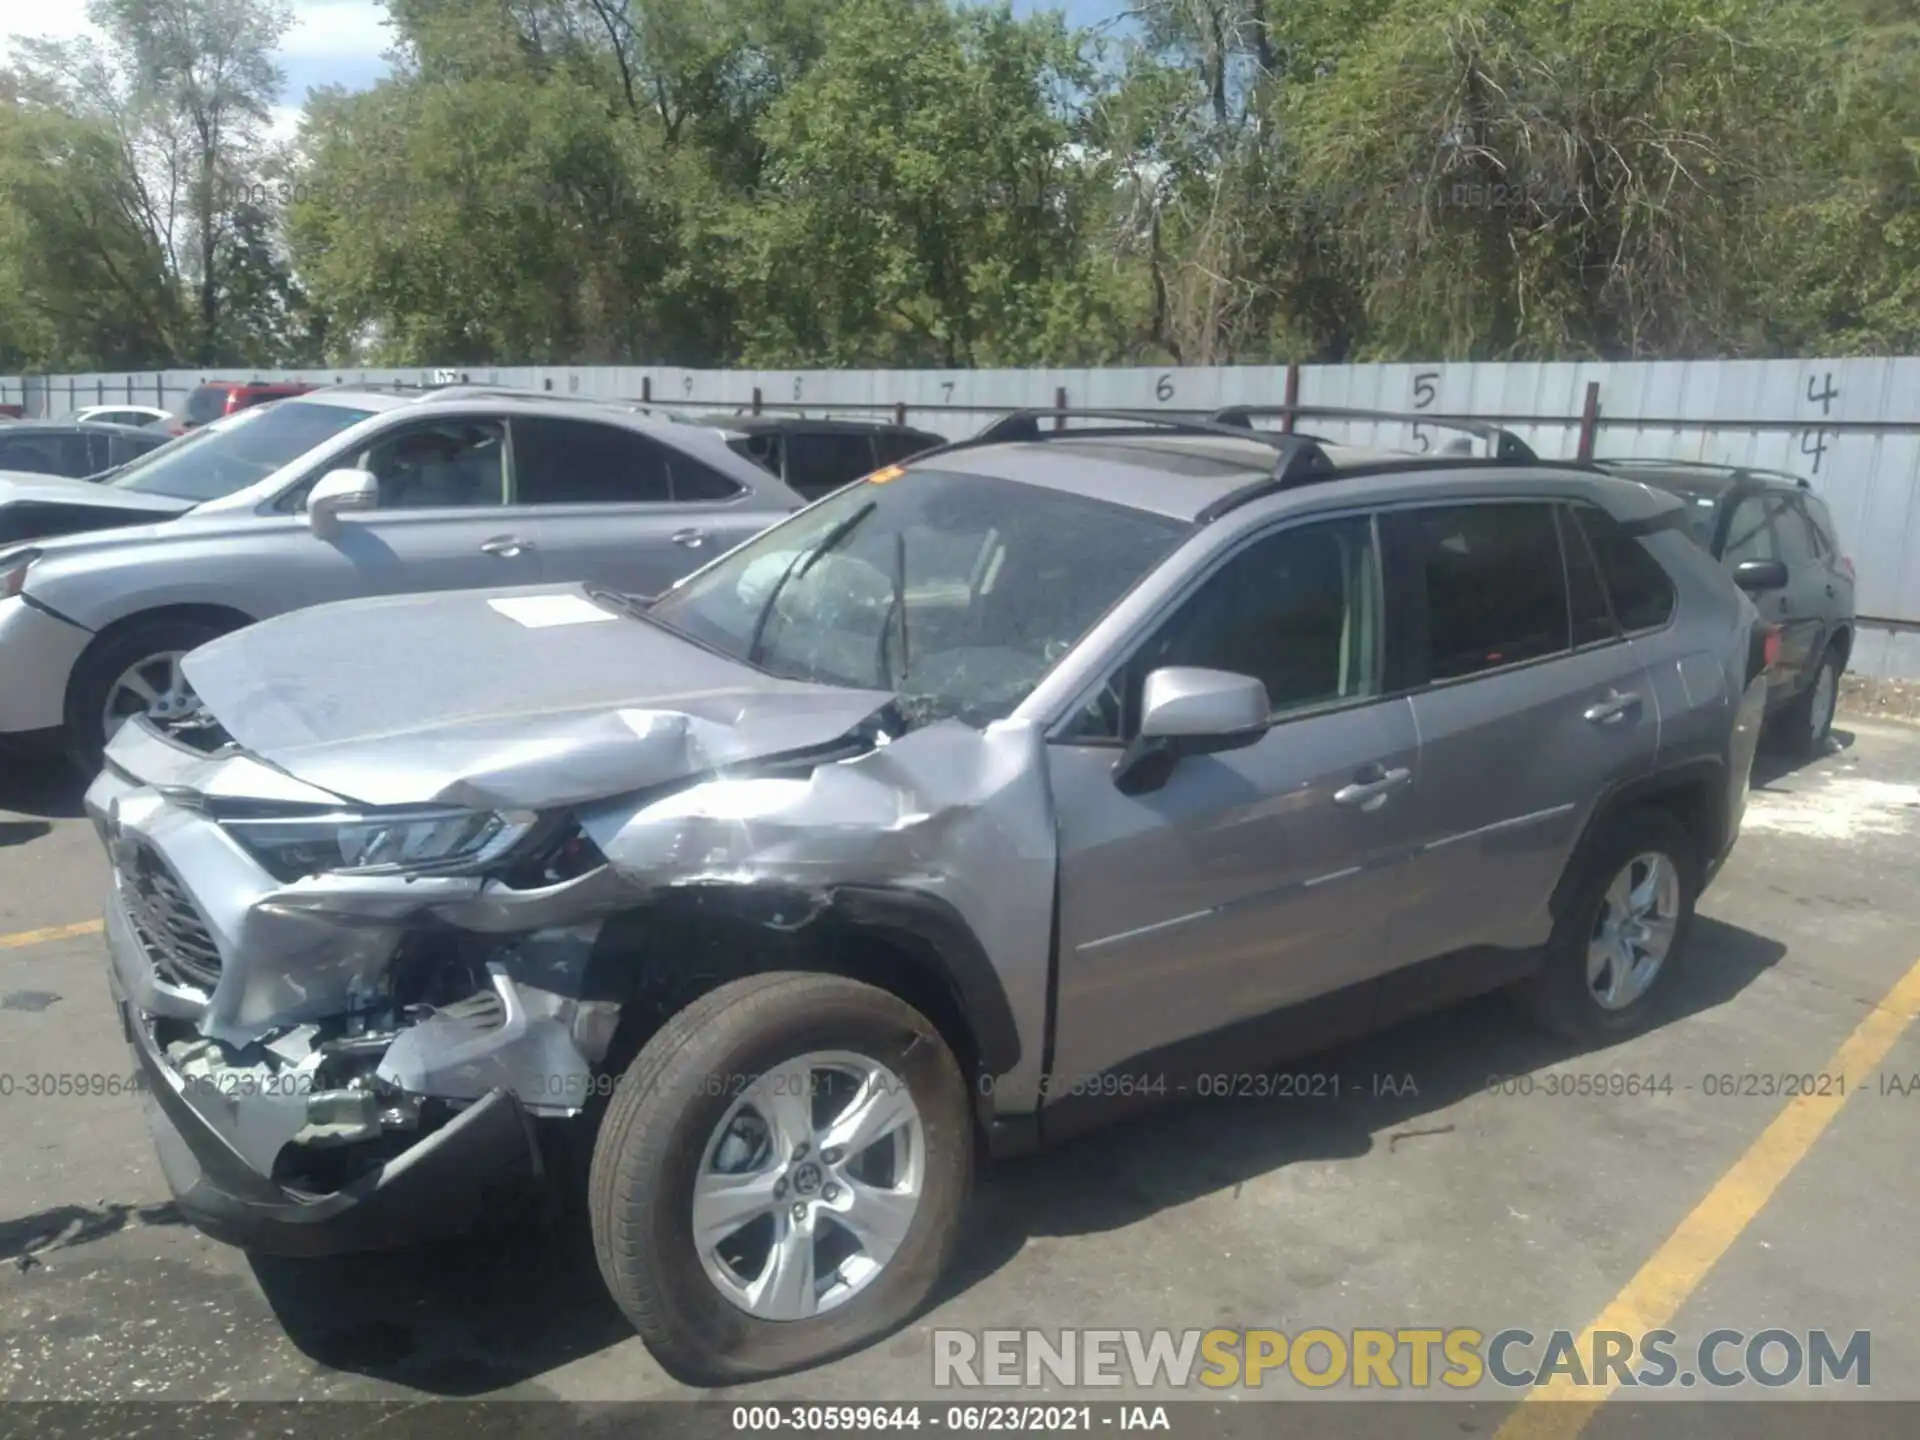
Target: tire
106,661
662,1132
1807,720
1561,995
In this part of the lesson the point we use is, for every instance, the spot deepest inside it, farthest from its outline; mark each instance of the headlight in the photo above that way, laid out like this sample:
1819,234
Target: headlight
388,842
13,571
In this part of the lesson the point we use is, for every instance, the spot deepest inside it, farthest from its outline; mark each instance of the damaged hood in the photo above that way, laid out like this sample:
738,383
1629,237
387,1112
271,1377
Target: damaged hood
515,699
32,506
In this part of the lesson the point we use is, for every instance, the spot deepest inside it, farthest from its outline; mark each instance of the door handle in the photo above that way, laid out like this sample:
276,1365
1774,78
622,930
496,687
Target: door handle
1372,794
1615,707
691,538
505,546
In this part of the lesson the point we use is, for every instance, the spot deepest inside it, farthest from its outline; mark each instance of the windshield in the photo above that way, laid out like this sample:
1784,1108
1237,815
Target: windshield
956,592
233,453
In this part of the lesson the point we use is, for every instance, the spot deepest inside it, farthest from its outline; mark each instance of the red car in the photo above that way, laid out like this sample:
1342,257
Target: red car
223,397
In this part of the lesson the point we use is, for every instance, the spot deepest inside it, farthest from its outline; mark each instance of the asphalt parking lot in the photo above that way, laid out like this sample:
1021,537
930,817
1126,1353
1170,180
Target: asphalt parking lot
1420,1197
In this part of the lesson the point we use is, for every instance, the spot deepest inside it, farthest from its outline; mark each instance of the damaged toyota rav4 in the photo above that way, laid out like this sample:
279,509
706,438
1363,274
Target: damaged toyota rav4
1061,771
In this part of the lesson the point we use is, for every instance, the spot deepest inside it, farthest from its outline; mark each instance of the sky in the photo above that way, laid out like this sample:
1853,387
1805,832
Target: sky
340,42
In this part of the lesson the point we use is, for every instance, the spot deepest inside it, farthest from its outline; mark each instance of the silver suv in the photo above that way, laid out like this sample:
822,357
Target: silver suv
334,494
1051,775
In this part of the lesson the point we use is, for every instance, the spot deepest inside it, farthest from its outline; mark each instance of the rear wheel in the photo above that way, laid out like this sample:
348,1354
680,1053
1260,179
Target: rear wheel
1620,940
780,1176
130,671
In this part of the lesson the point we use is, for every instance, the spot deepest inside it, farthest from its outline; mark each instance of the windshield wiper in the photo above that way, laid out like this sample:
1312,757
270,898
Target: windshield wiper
797,570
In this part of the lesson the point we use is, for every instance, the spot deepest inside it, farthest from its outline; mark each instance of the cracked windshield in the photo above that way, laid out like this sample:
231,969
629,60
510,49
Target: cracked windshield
958,592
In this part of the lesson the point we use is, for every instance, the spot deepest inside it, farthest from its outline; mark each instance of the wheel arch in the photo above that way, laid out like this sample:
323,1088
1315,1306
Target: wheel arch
225,616
658,958
1694,793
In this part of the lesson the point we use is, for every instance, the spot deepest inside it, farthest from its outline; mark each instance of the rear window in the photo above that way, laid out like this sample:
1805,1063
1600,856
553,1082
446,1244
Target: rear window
1642,591
207,403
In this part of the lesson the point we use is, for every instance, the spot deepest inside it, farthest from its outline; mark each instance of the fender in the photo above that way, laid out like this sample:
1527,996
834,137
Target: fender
1708,772
796,926
930,927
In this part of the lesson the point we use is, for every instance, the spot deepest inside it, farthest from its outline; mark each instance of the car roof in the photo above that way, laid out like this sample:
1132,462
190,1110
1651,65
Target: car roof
1175,475
1701,477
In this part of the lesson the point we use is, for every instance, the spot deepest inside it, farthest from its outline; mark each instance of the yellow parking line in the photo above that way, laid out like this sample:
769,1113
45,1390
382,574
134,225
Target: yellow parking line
1654,1296
21,938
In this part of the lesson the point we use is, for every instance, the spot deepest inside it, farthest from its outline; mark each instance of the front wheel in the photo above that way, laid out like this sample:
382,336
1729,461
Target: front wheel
779,1178
128,672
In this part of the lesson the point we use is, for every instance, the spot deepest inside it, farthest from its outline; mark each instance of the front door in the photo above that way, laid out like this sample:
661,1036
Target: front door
1239,912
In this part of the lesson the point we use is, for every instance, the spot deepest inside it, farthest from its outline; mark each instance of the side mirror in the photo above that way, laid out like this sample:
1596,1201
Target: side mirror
339,492
1189,711
1754,576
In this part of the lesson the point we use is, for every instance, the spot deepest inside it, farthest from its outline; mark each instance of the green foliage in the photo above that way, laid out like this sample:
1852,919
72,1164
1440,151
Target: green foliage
915,182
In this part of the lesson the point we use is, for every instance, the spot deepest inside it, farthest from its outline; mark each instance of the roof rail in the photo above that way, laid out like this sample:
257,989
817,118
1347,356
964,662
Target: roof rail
1507,445
1298,459
1734,472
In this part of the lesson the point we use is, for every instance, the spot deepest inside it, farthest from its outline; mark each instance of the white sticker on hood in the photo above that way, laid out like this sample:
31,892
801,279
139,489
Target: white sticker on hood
537,612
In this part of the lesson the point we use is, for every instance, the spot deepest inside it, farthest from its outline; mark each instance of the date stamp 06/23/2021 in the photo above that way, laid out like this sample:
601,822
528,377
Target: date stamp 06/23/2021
1271,1085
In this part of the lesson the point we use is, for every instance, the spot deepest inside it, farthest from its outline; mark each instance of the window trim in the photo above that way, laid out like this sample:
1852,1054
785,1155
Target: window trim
1564,520
1673,588
1128,646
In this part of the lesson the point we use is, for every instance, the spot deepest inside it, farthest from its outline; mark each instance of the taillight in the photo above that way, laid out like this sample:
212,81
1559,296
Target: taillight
1847,565
1771,646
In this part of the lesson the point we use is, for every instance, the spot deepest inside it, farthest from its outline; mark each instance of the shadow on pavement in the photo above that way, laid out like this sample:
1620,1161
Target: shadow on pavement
44,786
482,1317
1774,762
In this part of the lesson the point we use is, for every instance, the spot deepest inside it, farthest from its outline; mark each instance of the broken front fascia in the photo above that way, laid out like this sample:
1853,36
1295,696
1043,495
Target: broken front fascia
947,811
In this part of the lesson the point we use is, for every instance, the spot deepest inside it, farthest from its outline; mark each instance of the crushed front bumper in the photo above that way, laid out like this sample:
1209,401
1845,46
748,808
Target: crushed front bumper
298,1103
486,1159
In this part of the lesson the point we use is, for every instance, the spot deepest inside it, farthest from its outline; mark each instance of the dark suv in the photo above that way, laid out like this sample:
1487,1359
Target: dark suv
817,457
1777,538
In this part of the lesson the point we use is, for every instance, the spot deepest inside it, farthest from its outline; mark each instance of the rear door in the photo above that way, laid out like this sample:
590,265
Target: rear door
1530,702
617,508
1810,592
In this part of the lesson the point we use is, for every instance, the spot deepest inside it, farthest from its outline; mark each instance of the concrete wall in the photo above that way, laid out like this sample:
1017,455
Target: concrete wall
1851,427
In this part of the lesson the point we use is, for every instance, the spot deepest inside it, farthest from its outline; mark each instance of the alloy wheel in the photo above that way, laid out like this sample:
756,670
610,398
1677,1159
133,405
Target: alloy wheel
1634,931
808,1185
154,687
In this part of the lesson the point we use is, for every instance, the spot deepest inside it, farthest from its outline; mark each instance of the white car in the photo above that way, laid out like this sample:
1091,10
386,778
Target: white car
120,414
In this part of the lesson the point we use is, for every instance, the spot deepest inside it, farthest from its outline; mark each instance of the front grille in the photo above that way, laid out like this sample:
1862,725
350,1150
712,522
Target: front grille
170,926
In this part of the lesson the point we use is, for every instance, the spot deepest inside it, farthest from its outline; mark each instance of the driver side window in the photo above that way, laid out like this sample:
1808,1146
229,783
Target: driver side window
447,464
442,464
1299,610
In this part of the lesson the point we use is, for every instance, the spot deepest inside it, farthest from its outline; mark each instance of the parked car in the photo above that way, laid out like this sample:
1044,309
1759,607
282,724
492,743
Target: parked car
209,401
1006,792
75,450
122,414
816,457
13,412
1777,539
343,492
